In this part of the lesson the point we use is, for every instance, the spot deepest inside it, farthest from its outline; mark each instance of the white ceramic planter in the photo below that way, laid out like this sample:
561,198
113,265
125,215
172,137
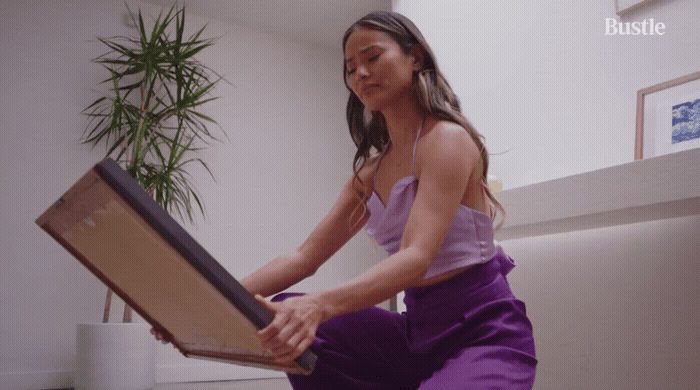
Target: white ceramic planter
114,356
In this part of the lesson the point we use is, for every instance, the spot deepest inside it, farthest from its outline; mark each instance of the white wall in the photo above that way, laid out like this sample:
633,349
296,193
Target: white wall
544,84
289,154
613,308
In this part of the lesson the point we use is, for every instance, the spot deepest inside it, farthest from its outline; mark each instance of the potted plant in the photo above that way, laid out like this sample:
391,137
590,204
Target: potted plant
151,122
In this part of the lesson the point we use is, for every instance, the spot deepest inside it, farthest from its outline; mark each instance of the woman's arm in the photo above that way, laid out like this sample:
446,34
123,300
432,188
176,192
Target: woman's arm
443,178
277,275
325,240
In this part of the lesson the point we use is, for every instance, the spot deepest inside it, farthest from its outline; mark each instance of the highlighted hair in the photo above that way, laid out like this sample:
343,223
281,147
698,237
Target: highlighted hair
435,97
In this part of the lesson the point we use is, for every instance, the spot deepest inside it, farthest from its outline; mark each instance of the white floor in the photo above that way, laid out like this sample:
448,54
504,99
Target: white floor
258,384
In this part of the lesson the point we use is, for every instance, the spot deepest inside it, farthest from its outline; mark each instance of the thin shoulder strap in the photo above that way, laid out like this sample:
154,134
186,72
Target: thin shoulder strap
415,143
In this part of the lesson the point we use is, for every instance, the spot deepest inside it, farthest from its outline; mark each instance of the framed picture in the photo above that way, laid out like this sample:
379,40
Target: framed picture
668,117
623,7
115,229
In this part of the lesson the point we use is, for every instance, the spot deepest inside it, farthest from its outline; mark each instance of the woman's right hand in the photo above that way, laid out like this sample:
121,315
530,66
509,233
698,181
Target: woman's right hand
159,336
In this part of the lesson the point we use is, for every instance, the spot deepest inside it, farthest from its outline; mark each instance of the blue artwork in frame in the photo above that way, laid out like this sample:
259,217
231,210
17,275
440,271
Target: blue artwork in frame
686,121
668,117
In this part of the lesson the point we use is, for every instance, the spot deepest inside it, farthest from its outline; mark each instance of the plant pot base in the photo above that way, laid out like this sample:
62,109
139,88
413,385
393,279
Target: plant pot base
115,356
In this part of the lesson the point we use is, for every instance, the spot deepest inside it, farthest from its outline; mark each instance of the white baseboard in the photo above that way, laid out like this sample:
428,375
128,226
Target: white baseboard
211,371
35,380
63,379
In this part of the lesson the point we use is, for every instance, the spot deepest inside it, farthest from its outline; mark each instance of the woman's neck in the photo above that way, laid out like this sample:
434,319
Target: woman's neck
402,121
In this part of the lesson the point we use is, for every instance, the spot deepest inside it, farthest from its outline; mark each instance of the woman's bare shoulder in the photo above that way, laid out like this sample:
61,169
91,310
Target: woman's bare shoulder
442,126
447,142
444,134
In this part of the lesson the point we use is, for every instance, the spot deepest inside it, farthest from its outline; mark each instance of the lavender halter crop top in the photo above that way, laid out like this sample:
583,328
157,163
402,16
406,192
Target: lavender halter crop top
468,241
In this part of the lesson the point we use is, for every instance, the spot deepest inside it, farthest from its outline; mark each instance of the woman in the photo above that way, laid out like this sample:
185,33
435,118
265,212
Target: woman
424,198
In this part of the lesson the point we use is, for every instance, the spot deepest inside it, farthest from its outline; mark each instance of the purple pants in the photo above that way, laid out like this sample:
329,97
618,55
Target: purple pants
467,332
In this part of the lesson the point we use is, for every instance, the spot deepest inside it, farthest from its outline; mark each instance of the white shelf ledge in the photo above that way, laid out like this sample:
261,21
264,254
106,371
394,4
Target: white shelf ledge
662,187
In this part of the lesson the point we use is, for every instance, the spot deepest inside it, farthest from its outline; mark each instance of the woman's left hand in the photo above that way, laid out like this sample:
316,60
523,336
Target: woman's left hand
293,328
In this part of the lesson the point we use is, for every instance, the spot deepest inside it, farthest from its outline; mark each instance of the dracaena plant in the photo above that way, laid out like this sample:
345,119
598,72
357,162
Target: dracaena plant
150,117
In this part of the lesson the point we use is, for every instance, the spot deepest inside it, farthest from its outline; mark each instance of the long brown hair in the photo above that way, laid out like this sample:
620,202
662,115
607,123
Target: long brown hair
435,97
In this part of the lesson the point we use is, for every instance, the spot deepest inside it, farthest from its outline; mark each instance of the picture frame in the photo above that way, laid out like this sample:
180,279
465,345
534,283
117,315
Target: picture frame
108,222
668,117
624,7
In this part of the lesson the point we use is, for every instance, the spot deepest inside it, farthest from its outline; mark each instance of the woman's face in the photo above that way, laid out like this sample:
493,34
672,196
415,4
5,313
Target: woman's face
377,71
